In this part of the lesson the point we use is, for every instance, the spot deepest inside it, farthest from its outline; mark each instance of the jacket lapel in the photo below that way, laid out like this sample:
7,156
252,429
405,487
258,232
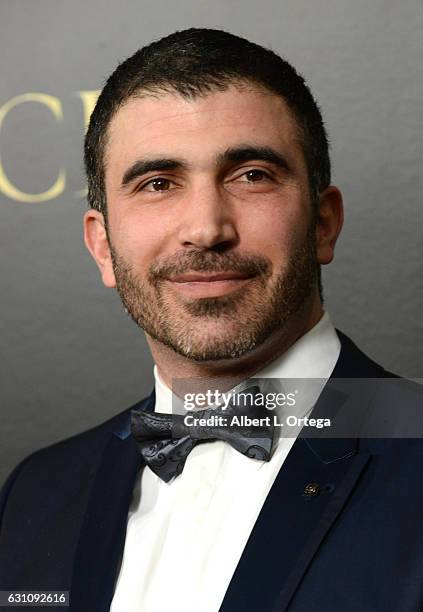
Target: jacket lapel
293,524
103,530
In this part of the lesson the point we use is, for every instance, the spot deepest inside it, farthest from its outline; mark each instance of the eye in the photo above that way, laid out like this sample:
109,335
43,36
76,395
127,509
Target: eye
255,176
157,184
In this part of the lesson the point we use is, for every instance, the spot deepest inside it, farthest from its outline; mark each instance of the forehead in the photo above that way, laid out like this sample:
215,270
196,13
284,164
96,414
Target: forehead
199,128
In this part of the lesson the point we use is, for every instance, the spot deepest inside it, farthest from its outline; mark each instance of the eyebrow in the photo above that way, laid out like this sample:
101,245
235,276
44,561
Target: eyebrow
244,153
143,166
238,154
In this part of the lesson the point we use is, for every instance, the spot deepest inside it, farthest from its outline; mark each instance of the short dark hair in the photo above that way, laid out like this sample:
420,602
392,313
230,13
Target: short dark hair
195,62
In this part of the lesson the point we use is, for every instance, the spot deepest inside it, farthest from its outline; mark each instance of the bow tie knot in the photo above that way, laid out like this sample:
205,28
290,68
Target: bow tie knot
165,440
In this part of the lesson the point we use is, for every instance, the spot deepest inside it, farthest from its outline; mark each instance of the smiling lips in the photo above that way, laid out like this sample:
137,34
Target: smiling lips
215,284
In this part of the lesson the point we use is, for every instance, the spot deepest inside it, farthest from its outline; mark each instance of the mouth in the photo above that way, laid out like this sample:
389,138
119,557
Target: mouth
206,285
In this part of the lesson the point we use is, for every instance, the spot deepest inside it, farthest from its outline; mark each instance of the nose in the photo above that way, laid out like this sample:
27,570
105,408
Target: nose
207,220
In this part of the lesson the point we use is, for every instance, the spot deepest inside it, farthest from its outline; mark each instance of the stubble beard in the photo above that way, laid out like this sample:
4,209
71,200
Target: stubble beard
211,329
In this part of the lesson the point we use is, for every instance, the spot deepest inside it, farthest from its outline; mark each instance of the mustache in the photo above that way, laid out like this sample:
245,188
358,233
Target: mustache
209,261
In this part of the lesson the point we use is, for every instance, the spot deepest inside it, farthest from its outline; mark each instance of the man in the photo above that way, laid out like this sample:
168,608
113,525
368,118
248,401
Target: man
211,213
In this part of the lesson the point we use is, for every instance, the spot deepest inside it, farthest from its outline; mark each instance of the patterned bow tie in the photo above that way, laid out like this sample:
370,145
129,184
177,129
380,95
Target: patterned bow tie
165,440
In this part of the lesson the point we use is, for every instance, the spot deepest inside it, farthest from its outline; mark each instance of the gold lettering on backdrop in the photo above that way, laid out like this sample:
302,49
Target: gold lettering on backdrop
88,98
10,190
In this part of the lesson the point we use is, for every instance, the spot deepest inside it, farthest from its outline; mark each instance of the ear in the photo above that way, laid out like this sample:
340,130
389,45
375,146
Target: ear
95,238
330,219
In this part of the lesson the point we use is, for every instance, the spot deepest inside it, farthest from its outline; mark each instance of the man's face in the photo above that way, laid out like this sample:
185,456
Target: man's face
210,222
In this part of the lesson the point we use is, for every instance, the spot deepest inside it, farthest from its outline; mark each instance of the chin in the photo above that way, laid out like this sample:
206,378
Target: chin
213,343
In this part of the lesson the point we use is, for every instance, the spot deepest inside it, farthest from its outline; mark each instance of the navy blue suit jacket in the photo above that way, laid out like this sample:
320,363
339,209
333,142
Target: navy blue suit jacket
355,547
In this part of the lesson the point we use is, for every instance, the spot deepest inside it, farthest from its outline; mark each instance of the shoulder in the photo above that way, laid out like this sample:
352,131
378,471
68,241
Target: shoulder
354,363
67,460
390,408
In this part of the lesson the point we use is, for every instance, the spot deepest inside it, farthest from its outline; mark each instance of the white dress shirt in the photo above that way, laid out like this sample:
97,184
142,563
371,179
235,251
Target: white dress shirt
184,538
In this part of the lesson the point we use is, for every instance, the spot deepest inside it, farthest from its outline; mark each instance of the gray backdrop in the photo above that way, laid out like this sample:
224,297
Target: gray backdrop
70,357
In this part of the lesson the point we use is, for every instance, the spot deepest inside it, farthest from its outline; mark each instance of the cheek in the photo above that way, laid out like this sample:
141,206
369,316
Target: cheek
139,239
274,232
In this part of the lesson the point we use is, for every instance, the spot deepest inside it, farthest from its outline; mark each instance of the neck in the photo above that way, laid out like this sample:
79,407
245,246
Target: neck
171,365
